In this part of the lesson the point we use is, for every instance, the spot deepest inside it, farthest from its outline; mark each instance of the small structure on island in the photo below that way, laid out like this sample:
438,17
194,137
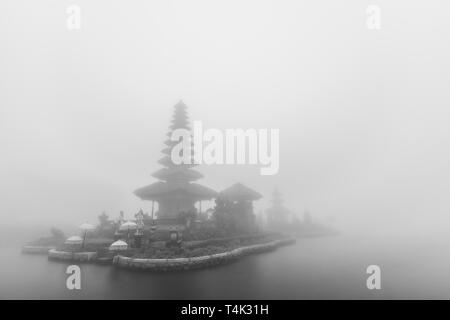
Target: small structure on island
118,245
278,216
127,227
175,238
175,193
139,221
138,235
74,240
234,208
74,243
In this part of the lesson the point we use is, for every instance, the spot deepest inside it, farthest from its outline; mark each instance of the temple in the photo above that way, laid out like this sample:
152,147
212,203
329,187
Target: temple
176,192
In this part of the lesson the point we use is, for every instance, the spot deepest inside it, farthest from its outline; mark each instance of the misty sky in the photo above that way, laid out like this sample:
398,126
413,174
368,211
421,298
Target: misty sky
363,115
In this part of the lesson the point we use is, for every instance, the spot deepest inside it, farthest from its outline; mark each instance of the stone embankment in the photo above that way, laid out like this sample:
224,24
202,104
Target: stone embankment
71,256
197,262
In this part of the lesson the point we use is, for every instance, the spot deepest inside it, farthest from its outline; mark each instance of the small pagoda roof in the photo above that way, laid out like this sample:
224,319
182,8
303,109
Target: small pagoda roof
158,190
170,142
240,192
179,125
167,162
180,105
178,173
168,150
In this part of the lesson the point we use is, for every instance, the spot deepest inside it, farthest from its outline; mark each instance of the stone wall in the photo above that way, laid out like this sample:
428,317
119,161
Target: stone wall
197,262
72,256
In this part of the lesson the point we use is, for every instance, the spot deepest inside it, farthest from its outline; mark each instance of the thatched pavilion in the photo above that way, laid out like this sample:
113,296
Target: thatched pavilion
238,199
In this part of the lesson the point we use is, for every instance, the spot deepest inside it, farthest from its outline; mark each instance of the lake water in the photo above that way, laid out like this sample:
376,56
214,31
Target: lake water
325,268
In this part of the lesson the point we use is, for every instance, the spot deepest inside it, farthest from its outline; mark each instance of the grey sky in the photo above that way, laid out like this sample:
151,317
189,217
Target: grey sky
363,115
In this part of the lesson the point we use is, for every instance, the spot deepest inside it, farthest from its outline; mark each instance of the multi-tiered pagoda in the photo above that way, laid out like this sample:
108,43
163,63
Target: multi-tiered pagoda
176,192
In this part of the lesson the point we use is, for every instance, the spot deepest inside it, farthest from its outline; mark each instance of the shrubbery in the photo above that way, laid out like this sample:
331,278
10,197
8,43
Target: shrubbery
204,248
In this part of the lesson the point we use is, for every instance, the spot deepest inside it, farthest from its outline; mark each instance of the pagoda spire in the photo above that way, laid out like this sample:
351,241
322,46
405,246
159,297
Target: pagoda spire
277,200
176,172
277,214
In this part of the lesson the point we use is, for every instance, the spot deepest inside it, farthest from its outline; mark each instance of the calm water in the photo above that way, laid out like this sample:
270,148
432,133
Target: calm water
313,268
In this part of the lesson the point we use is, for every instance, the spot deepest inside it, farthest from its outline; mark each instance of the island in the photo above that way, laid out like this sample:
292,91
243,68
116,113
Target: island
177,234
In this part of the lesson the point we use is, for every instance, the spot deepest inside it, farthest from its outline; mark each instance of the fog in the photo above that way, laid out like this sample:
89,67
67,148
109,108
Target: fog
363,114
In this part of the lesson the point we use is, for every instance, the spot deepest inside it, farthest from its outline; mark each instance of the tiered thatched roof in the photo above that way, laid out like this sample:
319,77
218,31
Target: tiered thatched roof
238,192
176,179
